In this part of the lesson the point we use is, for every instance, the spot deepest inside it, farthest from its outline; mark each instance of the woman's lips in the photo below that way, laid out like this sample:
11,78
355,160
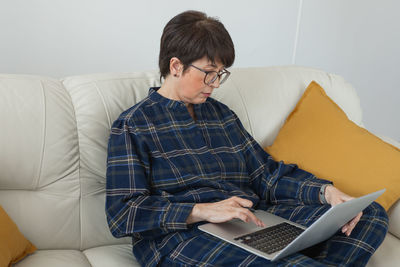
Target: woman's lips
206,94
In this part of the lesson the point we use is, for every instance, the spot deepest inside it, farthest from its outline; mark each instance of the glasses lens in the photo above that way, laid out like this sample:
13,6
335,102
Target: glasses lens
211,77
224,77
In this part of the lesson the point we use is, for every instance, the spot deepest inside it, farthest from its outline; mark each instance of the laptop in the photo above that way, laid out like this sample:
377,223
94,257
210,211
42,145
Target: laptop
282,237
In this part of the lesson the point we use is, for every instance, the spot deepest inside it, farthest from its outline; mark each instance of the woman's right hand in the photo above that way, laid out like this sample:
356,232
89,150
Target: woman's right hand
225,210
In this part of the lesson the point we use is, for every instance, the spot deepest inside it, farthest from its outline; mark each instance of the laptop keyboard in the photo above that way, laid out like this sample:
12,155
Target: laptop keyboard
271,239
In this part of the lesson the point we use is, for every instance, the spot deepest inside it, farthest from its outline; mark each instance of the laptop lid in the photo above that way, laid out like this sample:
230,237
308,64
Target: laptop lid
329,223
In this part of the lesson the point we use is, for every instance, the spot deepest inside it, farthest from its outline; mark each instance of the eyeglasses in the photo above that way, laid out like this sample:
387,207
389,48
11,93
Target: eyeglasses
212,76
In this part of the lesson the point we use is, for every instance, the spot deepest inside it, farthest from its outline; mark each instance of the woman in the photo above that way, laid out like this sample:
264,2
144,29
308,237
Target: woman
179,158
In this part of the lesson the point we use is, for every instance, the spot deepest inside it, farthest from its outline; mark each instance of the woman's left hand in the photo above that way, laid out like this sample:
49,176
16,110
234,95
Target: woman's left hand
334,196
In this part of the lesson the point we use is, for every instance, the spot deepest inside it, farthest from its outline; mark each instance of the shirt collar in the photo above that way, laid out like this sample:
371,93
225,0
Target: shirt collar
169,103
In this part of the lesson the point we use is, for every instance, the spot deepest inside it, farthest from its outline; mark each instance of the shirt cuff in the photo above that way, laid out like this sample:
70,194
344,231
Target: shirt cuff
176,215
322,198
310,192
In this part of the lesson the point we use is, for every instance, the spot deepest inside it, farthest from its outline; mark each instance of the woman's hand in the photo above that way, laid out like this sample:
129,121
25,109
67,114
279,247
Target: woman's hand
334,196
225,210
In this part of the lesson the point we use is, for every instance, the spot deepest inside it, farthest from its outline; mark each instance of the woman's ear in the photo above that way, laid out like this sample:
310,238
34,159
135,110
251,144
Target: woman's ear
175,67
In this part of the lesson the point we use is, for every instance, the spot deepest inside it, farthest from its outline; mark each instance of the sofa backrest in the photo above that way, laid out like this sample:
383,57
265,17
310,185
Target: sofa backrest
264,97
39,160
98,100
53,142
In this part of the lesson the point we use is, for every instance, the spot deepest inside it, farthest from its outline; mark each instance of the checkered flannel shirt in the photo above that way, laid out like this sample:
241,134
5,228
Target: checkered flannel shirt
161,163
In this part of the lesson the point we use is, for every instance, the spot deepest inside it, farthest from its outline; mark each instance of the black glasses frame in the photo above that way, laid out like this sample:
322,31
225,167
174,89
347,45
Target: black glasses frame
224,71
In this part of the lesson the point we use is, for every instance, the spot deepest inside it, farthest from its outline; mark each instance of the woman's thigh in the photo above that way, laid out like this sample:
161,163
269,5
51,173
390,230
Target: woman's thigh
207,250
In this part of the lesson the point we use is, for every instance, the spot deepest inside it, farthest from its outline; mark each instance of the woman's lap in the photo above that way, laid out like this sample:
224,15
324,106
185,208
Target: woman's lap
206,250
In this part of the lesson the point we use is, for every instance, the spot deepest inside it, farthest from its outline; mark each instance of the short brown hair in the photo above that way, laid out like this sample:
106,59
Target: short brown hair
190,36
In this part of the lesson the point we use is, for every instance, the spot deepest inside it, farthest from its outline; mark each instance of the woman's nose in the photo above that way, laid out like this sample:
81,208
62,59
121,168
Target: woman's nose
215,84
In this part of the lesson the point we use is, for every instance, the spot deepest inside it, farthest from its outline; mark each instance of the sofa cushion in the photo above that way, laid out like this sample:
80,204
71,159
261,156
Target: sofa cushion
115,255
13,245
319,137
52,258
387,254
394,219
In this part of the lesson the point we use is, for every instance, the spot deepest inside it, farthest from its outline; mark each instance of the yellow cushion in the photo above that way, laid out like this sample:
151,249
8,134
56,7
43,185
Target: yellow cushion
13,245
319,138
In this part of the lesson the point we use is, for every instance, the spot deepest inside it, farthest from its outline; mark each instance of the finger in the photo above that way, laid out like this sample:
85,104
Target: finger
242,214
353,223
242,202
345,228
259,222
256,220
242,217
356,219
348,232
348,228
251,217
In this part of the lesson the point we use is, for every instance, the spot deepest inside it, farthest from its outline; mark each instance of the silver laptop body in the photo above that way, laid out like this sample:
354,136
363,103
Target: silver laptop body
323,228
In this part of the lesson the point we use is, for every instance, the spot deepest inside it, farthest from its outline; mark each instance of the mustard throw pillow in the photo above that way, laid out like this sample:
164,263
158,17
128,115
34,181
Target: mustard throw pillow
13,245
319,138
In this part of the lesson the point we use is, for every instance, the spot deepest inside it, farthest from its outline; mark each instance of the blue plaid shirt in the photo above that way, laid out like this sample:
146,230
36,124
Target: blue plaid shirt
161,162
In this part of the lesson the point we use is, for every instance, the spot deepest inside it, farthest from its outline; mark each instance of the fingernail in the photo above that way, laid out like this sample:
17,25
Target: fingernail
344,230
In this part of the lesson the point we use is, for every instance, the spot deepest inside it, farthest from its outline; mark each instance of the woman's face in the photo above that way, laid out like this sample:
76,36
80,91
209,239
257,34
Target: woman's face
192,88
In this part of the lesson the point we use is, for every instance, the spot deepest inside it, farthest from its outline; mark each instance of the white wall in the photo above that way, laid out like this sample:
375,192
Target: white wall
356,39
68,37
360,40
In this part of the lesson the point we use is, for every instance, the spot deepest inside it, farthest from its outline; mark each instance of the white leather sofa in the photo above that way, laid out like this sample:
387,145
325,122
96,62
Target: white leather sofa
53,143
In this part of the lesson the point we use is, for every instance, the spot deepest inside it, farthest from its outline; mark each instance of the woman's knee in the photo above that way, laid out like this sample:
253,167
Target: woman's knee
375,210
377,217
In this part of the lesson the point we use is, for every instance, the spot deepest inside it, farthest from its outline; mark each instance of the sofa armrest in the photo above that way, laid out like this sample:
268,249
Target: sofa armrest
394,211
394,219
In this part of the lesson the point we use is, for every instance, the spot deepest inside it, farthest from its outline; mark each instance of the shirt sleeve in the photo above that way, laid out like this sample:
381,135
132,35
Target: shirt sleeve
130,207
277,182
